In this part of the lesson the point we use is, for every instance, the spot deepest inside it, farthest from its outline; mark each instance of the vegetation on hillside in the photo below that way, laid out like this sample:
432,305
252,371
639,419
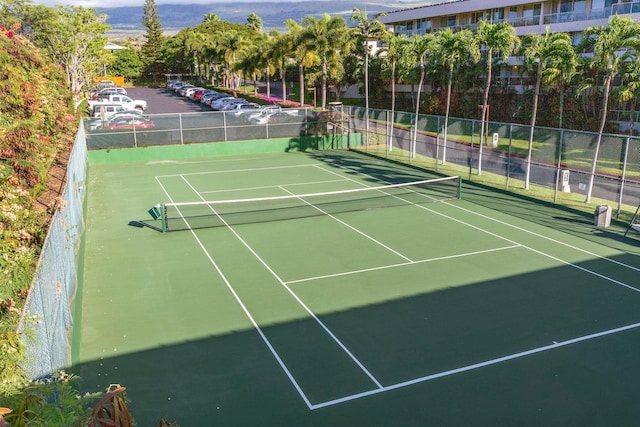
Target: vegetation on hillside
37,125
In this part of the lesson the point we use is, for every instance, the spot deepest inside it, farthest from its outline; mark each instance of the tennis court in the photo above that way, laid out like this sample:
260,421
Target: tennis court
427,310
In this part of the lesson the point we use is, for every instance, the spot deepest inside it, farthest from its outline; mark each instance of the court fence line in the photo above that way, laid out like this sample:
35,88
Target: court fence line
47,316
560,161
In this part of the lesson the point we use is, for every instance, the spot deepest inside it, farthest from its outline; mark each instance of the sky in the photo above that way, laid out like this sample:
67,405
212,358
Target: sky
119,3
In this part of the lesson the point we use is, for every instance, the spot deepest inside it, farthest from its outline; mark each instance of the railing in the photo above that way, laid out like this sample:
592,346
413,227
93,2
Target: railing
552,18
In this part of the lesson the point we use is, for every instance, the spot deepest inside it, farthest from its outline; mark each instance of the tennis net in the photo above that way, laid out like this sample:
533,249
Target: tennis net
218,213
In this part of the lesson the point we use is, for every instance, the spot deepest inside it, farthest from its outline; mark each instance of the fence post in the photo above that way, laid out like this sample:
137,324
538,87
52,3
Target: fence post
473,125
181,135
624,174
559,167
480,150
509,155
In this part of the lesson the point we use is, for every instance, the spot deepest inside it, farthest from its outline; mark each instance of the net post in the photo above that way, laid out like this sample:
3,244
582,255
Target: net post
459,187
163,216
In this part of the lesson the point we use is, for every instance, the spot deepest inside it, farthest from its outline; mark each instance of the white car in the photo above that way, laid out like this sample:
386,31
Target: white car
219,103
239,110
227,106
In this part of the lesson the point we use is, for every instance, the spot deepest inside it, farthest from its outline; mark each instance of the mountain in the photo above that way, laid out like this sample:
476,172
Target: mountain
174,17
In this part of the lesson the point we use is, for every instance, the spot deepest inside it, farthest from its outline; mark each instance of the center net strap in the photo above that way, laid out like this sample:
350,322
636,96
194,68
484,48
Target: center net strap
197,215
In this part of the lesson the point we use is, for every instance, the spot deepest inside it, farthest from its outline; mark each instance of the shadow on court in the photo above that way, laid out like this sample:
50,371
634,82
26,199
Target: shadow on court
233,378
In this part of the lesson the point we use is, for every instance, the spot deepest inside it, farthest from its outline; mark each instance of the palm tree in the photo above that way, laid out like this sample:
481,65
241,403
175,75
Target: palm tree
304,56
324,36
499,39
560,73
611,46
231,43
254,22
541,52
281,50
365,30
393,46
454,49
416,51
631,88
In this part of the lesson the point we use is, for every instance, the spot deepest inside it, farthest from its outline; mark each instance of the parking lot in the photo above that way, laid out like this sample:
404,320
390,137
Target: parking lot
162,101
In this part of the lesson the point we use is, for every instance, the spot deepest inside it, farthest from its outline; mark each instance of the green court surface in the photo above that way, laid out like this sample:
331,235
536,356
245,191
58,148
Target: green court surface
485,310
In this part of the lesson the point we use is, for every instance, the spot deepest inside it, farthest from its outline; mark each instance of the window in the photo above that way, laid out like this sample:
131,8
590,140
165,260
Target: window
530,11
497,15
451,21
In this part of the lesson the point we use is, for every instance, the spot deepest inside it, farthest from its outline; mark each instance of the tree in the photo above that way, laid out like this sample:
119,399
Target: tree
452,49
541,52
499,39
393,47
365,30
324,36
127,63
281,50
611,46
150,50
254,22
304,56
74,38
416,52
231,43
560,73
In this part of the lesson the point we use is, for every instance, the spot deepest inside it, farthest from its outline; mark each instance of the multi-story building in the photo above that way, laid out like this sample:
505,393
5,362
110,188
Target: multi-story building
570,16
526,16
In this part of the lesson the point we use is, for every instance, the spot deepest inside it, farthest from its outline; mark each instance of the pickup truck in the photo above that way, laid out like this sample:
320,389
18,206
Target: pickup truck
113,98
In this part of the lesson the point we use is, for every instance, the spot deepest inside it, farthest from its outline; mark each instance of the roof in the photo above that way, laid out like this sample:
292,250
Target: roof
113,46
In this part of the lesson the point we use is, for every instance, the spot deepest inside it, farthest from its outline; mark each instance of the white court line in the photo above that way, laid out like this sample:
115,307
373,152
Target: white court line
403,264
180,175
381,388
302,304
273,186
246,311
513,356
586,270
377,242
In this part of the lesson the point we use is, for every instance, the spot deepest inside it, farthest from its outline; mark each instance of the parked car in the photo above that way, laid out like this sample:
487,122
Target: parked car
128,103
98,122
184,88
107,110
189,92
210,99
177,85
129,122
218,103
264,110
207,93
244,108
109,90
227,106
271,116
197,94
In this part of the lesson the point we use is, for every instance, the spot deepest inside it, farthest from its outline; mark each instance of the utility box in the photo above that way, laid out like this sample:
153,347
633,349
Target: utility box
566,188
602,216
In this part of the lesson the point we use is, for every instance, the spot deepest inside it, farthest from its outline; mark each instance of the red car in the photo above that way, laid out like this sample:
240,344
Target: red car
129,122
